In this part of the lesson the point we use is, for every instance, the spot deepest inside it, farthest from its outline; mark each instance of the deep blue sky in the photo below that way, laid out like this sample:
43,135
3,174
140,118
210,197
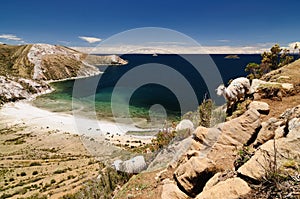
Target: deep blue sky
208,22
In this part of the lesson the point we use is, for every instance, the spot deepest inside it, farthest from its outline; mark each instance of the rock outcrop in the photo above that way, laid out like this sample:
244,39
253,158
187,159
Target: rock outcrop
275,152
232,188
192,175
270,90
212,150
13,89
211,146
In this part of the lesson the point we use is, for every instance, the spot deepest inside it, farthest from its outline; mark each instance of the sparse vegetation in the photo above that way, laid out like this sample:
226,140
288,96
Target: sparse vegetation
243,155
277,182
59,171
207,115
102,187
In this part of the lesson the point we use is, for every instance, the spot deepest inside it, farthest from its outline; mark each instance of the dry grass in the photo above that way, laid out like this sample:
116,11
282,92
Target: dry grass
34,166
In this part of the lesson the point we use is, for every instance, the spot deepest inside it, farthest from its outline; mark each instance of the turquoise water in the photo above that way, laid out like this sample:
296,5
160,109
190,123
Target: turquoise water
146,96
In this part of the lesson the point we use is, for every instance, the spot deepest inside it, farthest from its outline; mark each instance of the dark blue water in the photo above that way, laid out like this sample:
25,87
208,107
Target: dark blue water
150,93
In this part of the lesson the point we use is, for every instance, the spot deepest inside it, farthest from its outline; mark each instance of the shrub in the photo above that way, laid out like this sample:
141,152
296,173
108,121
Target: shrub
34,173
23,173
59,171
35,164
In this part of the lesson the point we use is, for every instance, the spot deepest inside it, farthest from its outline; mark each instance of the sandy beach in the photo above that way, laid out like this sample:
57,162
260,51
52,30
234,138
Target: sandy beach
24,114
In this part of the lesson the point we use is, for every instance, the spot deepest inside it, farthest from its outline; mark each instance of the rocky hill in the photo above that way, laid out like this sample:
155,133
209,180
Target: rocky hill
49,62
23,69
253,155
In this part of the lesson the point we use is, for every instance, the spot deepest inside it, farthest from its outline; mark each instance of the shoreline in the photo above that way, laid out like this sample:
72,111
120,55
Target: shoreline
24,114
73,78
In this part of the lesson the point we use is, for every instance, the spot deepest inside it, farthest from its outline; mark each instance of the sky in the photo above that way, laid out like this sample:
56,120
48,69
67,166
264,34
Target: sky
222,25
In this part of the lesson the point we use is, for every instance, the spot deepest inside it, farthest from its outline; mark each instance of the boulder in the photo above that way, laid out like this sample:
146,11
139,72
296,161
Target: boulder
266,132
171,191
279,132
257,83
170,155
206,138
294,129
287,148
192,175
213,181
263,161
271,90
261,107
234,134
185,124
134,165
291,113
232,188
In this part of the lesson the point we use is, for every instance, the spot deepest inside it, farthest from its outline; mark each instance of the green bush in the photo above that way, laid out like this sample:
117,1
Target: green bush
34,173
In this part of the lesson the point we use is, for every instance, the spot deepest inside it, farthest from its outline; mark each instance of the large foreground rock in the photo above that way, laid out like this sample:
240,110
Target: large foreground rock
214,145
286,148
267,131
232,188
234,134
193,175
263,161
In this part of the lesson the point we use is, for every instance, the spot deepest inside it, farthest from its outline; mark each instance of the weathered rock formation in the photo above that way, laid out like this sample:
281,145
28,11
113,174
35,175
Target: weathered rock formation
13,89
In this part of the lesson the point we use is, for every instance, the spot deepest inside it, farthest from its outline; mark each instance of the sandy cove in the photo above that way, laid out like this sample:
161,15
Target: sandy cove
22,113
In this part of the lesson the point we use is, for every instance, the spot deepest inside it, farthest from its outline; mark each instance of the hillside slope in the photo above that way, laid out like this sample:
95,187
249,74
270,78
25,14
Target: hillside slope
24,69
255,155
49,62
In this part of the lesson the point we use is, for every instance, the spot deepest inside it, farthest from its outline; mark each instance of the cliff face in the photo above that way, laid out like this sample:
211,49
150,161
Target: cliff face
49,62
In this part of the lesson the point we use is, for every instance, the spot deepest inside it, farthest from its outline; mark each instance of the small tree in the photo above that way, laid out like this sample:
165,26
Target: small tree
254,70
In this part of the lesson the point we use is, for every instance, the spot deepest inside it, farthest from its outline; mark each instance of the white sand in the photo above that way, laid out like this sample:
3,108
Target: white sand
25,114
